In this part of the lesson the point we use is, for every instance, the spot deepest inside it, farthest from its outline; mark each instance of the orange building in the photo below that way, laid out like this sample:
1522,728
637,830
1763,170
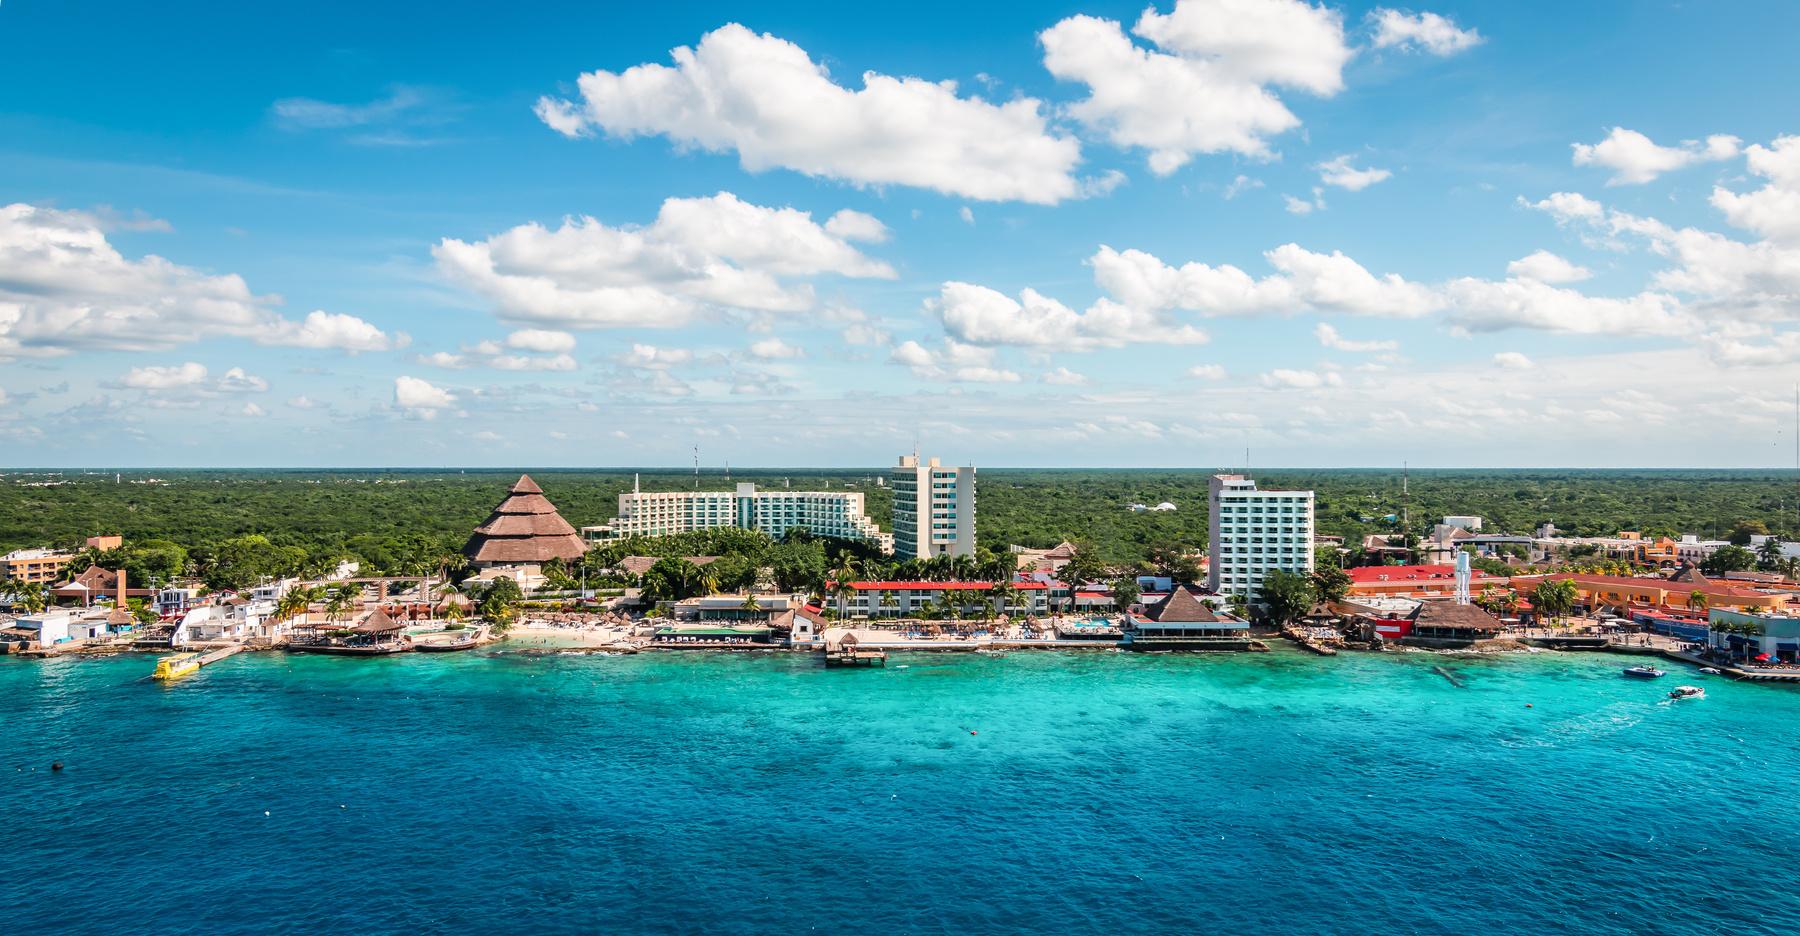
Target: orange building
1621,594
34,565
1419,581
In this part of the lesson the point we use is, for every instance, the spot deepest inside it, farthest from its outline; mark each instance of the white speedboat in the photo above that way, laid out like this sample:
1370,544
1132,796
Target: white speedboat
1687,692
1644,672
1710,671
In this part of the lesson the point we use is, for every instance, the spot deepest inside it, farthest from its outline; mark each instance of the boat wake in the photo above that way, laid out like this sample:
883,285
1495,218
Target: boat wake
1612,719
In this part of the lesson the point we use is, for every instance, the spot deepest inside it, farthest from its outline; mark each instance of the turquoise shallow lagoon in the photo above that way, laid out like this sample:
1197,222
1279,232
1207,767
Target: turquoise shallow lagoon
760,793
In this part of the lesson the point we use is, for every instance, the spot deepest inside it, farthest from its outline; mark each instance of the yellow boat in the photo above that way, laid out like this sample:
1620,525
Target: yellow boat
173,667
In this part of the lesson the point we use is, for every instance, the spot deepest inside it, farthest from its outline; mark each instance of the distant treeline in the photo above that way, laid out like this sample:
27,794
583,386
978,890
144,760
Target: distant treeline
405,517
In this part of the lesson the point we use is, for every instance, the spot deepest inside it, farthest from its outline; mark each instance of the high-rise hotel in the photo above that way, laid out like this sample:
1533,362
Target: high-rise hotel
1254,532
934,509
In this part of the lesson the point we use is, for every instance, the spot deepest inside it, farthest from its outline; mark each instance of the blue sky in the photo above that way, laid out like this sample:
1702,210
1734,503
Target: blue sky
1092,234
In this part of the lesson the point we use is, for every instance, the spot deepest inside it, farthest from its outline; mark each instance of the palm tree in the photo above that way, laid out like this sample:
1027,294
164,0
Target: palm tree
709,579
1769,553
963,569
843,589
1697,599
888,599
1000,593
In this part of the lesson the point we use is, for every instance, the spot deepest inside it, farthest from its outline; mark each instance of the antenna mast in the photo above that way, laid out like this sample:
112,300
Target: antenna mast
1405,509
696,467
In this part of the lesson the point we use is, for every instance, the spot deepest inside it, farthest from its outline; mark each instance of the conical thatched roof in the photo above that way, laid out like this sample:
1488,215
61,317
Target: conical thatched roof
1180,607
524,528
378,623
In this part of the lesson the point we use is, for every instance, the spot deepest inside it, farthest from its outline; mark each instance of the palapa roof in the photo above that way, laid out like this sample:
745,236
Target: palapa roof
1690,574
524,528
1452,615
1180,607
378,623
120,616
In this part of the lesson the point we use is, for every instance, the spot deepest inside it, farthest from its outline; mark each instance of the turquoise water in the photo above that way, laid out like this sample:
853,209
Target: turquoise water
760,793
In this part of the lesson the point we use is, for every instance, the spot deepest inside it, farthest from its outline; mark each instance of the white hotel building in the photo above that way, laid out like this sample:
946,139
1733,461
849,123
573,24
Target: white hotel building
934,509
1255,531
825,513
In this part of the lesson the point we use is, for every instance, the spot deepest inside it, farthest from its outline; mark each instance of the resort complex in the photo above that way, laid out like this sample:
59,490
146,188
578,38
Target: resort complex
808,570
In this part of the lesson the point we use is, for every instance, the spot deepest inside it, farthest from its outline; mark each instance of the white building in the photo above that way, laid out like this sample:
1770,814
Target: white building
1255,531
1472,524
664,513
934,509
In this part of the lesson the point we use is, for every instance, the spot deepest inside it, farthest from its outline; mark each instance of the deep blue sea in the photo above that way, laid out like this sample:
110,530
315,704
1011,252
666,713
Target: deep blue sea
760,793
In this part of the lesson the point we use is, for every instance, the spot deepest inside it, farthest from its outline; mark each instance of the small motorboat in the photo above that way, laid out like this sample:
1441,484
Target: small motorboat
1687,692
1644,672
1710,671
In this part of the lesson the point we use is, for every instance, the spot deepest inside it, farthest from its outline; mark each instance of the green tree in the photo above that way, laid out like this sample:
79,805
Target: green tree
798,566
1554,599
1769,555
499,602
1740,535
1000,593
1331,584
1285,596
1125,593
1728,559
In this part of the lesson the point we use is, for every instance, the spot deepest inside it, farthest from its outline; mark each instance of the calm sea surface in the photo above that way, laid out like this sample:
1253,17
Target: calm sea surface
759,793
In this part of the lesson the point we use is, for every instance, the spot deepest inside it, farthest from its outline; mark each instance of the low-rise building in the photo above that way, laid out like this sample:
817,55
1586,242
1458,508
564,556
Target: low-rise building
1415,581
1623,595
34,565
911,599
1754,635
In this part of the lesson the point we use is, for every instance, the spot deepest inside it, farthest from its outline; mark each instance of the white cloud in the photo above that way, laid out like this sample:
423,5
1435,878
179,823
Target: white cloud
421,399
765,98
162,378
866,336
1635,160
1774,210
1330,338
188,380
954,361
492,354
1205,91
488,436
1296,206
856,226
982,316
1427,31
1300,379
1782,349
651,357
1205,372
965,214
251,409
301,402
1240,185
64,288
1306,281
1513,360
1338,172
1546,267
774,349
753,383
1063,377
544,342
298,113
589,275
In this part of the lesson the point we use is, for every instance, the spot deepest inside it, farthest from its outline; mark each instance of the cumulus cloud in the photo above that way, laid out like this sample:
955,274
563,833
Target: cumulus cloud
1513,360
64,288
1240,185
1424,31
188,380
1330,338
250,409
1546,267
1063,377
1774,210
1204,372
301,402
1300,379
544,342
420,398
650,357
753,383
1635,160
866,336
766,99
701,253
493,354
1305,281
953,361
1338,172
982,316
774,349
1206,89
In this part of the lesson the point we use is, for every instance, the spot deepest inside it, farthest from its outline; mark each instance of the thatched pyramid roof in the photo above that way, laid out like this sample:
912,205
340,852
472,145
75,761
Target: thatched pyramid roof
524,528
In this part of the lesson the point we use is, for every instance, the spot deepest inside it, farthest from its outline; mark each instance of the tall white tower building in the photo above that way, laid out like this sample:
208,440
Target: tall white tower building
1255,531
934,509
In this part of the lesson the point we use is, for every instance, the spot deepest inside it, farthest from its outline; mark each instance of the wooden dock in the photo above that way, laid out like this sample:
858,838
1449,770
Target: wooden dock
851,656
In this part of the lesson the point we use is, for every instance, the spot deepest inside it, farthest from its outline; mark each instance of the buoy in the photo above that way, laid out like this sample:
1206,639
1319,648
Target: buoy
265,812
1528,705
56,766
974,732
